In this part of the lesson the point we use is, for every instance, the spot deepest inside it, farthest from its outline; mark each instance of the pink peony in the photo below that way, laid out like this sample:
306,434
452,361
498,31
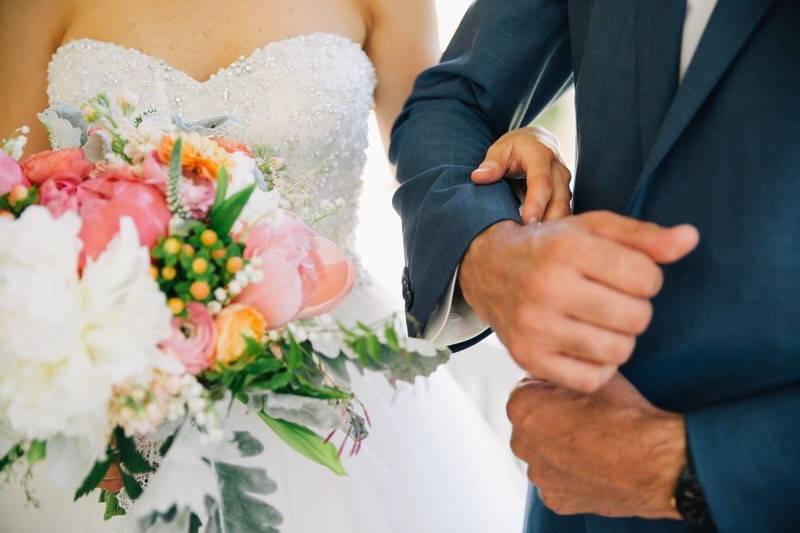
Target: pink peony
193,339
112,195
43,166
10,174
154,173
197,192
304,275
60,194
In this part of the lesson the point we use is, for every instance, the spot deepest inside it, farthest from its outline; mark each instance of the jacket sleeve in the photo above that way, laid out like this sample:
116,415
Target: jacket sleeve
747,457
508,60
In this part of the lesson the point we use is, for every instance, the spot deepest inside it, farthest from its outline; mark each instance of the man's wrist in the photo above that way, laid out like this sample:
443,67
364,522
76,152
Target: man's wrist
667,458
473,258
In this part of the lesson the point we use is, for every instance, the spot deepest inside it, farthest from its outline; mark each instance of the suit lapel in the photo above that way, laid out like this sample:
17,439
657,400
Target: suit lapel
730,26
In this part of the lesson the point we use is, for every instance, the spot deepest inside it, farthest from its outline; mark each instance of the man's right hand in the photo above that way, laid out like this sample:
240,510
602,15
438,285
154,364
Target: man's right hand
569,297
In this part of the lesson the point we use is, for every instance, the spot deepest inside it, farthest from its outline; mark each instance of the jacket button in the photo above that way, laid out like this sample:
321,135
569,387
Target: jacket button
408,294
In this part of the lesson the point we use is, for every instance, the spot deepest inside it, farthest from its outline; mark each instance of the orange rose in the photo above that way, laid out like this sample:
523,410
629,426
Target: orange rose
234,323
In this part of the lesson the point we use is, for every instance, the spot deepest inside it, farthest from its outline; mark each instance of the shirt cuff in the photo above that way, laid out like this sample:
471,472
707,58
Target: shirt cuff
453,321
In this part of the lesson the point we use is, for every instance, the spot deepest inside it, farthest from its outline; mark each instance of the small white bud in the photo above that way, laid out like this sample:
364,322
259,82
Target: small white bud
234,287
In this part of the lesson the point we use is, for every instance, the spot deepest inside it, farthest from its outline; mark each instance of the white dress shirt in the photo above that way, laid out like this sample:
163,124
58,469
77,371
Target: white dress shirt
452,320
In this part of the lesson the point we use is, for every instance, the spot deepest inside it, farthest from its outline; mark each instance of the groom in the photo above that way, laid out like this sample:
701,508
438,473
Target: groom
684,115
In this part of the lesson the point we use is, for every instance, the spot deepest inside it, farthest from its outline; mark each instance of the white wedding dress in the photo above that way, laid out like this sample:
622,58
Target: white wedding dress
430,464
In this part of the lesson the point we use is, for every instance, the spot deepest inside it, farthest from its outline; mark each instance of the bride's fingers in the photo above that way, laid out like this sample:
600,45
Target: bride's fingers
559,206
532,153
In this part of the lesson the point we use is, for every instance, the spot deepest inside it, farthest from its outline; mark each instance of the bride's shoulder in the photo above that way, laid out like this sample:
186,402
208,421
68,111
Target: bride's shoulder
383,12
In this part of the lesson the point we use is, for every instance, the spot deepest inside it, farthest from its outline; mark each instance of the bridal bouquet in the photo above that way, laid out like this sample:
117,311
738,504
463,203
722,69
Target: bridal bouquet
149,278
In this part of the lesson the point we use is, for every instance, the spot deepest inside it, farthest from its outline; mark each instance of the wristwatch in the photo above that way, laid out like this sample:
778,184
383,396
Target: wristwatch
690,501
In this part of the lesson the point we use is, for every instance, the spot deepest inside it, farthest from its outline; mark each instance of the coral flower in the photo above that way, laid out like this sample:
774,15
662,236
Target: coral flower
234,323
43,166
110,196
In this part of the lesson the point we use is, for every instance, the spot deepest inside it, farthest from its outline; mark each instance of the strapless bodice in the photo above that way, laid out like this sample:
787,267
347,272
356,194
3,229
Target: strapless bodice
306,99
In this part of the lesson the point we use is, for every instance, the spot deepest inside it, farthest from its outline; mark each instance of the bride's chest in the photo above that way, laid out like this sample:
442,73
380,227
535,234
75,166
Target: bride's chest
309,87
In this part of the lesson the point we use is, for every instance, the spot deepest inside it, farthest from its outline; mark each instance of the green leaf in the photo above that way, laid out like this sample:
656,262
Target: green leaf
224,217
11,457
94,478
391,338
222,188
320,392
263,365
132,486
113,508
37,451
164,448
129,456
305,442
278,381
253,348
294,356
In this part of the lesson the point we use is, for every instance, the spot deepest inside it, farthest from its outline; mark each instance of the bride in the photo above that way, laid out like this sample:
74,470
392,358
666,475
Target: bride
302,75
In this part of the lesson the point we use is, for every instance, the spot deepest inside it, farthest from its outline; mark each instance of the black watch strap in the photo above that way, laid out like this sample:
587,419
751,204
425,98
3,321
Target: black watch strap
690,501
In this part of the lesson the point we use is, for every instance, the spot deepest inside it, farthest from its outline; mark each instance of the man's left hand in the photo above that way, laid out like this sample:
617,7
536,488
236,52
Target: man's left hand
611,453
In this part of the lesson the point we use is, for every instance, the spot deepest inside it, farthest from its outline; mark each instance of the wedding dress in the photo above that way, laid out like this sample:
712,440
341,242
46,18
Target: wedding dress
430,464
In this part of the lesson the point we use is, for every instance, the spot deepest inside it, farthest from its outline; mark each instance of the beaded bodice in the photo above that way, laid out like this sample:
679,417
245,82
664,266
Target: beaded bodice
305,99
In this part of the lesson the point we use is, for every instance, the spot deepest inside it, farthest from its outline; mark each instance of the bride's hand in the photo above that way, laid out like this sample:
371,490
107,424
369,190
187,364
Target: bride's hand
531,152
113,480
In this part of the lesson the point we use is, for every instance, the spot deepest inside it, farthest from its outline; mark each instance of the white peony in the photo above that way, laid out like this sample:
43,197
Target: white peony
67,341
126,315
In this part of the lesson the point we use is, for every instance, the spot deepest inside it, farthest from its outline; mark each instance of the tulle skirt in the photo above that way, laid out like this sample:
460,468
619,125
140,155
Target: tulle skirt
430,464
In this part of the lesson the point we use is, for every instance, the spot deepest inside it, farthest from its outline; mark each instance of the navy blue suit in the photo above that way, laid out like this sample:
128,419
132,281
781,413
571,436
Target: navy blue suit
720,151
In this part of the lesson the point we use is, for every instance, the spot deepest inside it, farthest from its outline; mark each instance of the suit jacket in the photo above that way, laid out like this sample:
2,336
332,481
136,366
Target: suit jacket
721,151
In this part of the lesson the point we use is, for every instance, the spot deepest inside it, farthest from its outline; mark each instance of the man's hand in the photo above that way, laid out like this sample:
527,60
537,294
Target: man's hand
531,153
611,453
569,297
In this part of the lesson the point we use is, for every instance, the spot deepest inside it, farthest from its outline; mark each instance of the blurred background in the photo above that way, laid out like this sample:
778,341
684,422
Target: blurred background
486,372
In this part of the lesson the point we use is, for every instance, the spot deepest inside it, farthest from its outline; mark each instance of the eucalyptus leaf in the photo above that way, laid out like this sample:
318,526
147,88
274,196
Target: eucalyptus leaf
241,512
305,442
307,412
61,133
248,445
407,366
206,126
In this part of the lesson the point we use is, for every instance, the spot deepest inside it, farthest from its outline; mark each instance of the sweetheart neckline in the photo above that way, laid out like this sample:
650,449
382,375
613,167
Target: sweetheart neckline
241,59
